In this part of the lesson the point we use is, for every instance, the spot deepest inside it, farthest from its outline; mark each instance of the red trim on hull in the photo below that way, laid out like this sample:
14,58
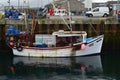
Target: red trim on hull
54,48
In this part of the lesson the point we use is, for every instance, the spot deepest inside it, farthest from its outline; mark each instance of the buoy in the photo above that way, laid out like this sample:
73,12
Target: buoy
11,44
83,46
11,38
83,67
12,69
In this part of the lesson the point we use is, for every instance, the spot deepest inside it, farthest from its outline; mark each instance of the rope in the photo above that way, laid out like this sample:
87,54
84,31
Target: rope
69,27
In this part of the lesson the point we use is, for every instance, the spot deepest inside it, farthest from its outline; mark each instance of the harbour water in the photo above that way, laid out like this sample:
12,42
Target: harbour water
96,67
76,68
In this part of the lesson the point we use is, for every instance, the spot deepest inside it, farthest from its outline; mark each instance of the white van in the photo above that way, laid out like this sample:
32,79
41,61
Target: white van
98,11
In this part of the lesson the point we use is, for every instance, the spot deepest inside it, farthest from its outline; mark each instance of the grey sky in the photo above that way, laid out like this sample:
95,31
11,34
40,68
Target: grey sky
103,0
34,3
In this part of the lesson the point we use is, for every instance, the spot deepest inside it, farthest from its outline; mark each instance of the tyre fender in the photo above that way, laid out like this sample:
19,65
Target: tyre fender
19,48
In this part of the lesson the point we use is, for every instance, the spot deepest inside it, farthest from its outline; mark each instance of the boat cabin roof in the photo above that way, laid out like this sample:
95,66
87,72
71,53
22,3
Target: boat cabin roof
62,33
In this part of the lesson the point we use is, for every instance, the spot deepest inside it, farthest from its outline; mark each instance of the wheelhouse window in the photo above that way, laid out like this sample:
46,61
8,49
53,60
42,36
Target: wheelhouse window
66,41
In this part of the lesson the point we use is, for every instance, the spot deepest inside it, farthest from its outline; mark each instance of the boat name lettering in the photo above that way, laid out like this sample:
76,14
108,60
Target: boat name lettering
98,40
91,45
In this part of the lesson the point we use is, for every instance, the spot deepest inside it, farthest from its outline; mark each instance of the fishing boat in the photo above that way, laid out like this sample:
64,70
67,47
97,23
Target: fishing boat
58,44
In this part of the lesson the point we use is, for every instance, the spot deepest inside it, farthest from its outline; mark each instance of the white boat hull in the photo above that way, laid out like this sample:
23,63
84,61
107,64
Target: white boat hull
93,47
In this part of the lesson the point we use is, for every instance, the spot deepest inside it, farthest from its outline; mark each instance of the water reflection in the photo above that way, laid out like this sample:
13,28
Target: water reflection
58,68
77,68
111,65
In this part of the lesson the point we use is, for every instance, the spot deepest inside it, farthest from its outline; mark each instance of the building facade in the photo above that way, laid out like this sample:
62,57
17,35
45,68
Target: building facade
76,6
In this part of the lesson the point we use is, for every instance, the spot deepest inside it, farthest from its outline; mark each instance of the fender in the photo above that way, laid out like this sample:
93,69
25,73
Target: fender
19,48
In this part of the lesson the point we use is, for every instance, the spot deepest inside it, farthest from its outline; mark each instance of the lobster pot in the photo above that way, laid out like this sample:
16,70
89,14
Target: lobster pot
8,31
12,31
14,16
6,13
17,31
12,27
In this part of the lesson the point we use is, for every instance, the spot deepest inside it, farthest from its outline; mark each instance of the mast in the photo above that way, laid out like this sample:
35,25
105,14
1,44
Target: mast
69,12
26,23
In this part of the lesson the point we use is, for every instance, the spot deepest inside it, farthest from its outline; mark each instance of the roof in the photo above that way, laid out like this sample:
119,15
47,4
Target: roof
62,33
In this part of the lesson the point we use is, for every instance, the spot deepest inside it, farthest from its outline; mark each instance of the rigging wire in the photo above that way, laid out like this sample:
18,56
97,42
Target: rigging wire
69,27
94,29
